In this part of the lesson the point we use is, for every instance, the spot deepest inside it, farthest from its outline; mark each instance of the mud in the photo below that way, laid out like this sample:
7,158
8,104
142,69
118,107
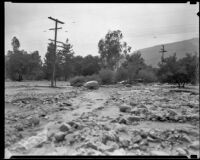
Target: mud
159,121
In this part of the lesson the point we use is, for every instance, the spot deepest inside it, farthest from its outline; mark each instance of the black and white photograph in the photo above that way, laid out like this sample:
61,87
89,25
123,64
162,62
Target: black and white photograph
101,79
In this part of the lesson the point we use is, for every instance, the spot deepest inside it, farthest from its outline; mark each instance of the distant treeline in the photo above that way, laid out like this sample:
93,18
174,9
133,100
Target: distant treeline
115,63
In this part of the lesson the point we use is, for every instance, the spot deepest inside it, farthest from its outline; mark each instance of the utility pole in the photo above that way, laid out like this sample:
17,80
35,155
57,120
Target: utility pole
54,62
162,51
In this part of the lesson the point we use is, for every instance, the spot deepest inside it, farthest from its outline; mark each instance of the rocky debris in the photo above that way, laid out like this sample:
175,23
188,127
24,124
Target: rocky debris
125,109
64,127
194,145
91,85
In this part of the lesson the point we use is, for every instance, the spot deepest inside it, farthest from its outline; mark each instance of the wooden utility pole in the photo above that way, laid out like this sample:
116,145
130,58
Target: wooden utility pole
162,51
54,62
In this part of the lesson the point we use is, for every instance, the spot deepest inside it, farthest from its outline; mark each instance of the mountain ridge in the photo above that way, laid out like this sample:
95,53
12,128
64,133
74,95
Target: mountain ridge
152,56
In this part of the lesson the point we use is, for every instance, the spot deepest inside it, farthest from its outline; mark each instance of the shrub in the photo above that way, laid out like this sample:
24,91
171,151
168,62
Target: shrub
107,76
121,74
77,81
147,75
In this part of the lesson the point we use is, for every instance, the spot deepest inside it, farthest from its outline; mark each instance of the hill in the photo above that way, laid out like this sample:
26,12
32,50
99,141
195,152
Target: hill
152,55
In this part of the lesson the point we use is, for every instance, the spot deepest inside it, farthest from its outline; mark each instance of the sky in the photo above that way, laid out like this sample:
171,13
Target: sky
142,25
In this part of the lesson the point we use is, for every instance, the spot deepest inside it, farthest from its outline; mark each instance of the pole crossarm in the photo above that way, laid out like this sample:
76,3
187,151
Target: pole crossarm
55,28
163,49
56,20
57,41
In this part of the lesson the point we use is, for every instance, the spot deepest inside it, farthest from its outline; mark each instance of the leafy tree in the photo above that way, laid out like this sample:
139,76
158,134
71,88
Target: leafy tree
180,71
191,64
48,61
77,65
112,49
148,74
15,44
90,65
65,60
134,63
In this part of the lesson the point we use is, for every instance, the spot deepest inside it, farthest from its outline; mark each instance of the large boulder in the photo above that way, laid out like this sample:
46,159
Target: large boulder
125,109
64,127
91,85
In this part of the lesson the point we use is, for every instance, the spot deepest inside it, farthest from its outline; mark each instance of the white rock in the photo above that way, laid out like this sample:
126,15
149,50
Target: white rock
91,85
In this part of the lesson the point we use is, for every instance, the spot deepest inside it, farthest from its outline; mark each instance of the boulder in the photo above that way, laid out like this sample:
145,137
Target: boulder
133,104
91,85
65,127
136,139
133,118
33,120
125,109
59,136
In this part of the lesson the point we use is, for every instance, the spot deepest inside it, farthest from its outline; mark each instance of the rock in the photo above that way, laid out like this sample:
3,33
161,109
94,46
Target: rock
123,121
8,154
74,124
34,120
90,145
128,85
64,127
181,151
133,118
125,142
185,138
67,103
109,136
33,141
195,145
91,85
125,109
19,127
158,153
136,139
133,104
59,136
70,138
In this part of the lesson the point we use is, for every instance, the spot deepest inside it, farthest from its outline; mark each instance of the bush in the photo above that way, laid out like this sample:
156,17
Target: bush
107,76
147,76
77,81
121,74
